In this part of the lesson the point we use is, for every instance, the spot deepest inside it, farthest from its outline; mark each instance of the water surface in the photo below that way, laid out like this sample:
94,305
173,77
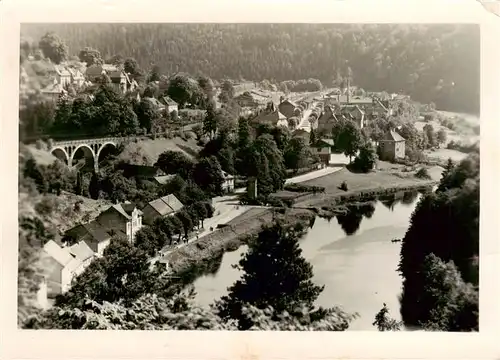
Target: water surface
352,255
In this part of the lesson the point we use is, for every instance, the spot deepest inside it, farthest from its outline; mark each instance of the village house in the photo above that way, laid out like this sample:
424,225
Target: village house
169,104
77,78
327,120
392,146
124,218
271,116
61,268
246,100
287,108
162,207
62,75
53,91
93,234
119,79
352,112
228,184
324,150
163,179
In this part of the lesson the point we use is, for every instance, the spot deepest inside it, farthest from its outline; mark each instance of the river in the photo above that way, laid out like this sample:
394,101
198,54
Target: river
353,256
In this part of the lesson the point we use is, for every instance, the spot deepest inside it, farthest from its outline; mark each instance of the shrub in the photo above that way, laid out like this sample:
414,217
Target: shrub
343,186
40,145
422,174
46,206
303,188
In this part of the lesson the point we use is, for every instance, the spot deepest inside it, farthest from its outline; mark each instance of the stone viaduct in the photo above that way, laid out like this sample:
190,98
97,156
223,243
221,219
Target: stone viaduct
92,148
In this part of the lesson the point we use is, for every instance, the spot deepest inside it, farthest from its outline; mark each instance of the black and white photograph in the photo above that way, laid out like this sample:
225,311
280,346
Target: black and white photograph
274,176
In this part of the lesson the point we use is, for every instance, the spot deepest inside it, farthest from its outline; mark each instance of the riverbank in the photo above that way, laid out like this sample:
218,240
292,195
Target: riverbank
202,252
361,187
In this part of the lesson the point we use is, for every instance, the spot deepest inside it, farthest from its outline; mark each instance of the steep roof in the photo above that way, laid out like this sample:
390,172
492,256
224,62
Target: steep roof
92,229
168,101
53,89
274,117
327,142
392,136
164,179
172,202
289,102
81,251
59,254
125,209
155,102
161,207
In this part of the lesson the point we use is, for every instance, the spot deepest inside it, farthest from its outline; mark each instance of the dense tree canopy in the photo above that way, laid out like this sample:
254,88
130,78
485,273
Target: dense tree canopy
53,47
432,63
90,56
445,224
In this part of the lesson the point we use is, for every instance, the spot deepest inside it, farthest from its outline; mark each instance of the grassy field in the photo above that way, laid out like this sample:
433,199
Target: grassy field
386,177
63,214
146,152
42,157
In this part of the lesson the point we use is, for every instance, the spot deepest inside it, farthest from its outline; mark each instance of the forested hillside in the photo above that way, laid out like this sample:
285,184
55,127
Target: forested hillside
432,63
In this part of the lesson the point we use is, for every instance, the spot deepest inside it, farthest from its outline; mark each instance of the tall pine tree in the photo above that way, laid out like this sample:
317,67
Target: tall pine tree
275,274
94,186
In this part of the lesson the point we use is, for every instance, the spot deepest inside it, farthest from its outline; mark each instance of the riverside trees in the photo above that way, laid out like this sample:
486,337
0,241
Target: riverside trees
443,243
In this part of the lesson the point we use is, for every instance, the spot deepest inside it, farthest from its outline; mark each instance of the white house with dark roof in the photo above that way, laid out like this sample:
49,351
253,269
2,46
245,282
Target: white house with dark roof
61,267
165,206
125,219
228,184
170,104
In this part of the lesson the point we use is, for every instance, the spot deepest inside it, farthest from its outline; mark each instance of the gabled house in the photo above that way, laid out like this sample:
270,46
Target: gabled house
324,149
62,75
119,79
271,118
169,104
162,207
287,108
163,179
54,91
60,266
327,120
77,77
123,218
93,234
392,146
82,252
156,103
228,184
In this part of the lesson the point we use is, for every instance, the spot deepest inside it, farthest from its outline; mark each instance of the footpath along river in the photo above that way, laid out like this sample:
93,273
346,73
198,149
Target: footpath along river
352,255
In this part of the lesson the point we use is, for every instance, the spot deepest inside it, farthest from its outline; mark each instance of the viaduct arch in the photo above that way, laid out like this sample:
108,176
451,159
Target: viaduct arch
91,148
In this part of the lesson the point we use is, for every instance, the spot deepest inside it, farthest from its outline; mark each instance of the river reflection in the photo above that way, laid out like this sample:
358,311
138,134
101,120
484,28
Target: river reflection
353,257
